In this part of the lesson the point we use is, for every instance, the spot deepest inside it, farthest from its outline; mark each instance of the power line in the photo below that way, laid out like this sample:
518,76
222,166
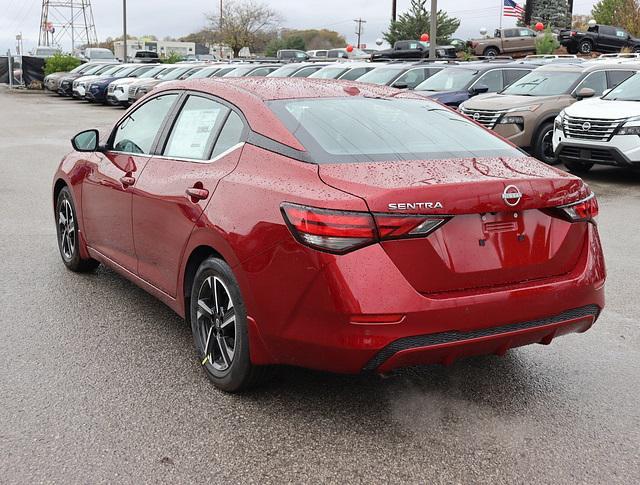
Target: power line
359,31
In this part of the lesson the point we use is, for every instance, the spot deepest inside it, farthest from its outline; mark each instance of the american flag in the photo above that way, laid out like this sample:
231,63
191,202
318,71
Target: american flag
512,9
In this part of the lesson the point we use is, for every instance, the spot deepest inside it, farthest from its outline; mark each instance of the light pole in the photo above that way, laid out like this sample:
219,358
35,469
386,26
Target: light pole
124,29
433,30
394,10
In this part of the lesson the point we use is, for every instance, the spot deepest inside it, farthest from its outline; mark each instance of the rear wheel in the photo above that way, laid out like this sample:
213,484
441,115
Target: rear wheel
543,145
491,52
578,167
219,327
636,50
585,47
572,50
68,235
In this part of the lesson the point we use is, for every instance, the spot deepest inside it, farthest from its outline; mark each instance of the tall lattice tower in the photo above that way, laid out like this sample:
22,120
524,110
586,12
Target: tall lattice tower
64,21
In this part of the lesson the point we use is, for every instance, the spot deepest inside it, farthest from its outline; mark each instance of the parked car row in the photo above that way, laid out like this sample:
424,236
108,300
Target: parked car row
519,100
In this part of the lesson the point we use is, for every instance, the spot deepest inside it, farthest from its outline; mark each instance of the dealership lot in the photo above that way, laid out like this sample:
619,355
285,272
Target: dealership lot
99,381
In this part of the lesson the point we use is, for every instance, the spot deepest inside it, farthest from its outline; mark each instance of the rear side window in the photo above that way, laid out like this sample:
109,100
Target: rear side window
230,135
411,78
512,75
307,71
510,33
262,71
358,129
616,77
137,132
192,133
355,73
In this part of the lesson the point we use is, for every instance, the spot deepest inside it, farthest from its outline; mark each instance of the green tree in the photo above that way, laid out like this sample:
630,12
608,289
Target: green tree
318,38
546,44
288,42
552,13
607,12
416,21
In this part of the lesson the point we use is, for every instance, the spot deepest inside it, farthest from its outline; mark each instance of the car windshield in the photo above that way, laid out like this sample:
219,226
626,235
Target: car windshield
329,73
94,70
285,71
240,71
101,54
451,79
127,71
203,73
111,71
628,90
383,75
543,83
81,68
359,129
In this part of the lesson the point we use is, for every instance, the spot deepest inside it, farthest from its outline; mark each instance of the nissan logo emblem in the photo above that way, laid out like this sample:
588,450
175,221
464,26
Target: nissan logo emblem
476,116
511,195
586,126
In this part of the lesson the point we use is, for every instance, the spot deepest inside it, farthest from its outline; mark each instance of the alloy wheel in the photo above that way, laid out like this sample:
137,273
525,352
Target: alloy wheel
216,320
67,229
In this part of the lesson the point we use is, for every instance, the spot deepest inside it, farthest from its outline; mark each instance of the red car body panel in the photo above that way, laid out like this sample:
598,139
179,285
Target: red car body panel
490,266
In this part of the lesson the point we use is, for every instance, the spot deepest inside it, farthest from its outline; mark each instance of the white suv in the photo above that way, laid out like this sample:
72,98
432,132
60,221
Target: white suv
604,131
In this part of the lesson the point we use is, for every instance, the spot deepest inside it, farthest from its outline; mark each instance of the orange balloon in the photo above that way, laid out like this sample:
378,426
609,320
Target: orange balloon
539,26
349,48
424,37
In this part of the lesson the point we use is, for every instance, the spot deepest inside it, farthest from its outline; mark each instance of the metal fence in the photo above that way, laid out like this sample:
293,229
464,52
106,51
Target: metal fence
21,70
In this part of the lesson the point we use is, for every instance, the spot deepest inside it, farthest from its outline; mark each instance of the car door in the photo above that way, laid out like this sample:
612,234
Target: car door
527,40
607,40
107,187
200,147
510,40
621,39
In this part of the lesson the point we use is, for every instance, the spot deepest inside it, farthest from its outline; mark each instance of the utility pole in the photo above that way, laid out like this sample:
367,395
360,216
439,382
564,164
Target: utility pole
124,29
394,10
433,31
359,31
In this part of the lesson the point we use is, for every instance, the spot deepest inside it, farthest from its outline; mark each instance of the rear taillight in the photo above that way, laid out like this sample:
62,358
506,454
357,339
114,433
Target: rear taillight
339,232
573,33
581,211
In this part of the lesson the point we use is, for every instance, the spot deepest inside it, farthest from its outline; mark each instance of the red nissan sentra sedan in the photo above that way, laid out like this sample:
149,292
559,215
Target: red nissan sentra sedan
330,225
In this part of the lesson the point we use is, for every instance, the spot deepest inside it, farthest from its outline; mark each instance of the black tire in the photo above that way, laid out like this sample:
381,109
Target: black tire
636,50
578,168
231,372
543,145
68,235
572,50
585,46
491,52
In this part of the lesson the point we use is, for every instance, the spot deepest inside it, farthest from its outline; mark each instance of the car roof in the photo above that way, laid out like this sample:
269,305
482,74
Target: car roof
249,94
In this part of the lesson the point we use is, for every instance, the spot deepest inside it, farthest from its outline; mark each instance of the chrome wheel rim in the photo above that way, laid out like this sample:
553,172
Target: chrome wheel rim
66,230
216,320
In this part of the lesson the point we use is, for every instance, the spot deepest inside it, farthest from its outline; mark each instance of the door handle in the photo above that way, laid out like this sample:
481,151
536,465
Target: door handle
127,181
197,193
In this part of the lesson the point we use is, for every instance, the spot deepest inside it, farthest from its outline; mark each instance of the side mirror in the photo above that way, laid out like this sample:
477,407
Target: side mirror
400,85
86,141
585,93
478,89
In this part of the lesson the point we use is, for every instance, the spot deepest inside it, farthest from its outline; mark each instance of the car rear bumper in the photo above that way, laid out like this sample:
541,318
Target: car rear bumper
357,312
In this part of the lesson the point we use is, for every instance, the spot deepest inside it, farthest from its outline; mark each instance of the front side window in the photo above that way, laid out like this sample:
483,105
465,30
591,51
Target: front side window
191,135
329,73
616,77
137,132
381,75
491,79
596,81
543,83
628,90
411,78
358,129
512,75
510,33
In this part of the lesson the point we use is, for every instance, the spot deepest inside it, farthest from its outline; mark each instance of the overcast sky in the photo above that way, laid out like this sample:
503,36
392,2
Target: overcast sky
176,18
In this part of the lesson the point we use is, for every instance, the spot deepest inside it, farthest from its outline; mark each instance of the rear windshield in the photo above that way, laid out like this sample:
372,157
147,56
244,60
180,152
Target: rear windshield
206,72
101,54
359,129
448,80
543,83
628,90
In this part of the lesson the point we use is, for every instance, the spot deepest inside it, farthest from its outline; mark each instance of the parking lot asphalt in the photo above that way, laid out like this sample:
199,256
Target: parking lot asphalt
99,381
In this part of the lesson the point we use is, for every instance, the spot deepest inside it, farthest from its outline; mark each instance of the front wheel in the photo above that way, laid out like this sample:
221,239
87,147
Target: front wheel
636,50
68,235
491,52
219,327
578,168
543,145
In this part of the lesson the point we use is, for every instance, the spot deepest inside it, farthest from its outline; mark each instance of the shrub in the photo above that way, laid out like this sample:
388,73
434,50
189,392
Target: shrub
546,44
172,59
60,63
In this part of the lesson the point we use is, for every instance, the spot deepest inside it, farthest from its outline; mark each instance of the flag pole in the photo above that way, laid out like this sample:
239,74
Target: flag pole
500,13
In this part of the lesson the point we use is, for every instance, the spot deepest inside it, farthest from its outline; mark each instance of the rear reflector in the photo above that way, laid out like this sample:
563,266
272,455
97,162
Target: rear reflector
583,210
339,232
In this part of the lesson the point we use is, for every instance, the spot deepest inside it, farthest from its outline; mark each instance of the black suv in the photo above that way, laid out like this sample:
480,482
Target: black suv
599,38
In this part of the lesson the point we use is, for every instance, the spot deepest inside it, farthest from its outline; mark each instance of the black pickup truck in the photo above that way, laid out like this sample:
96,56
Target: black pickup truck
599,38
413,49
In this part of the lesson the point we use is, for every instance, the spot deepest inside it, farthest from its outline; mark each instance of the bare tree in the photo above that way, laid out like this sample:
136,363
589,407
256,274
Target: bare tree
244,23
